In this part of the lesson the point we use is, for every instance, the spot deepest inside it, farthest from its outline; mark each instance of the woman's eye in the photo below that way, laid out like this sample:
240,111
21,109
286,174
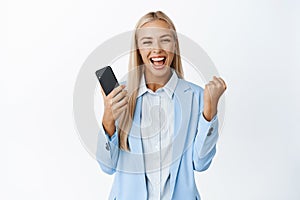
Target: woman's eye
166,40
147,42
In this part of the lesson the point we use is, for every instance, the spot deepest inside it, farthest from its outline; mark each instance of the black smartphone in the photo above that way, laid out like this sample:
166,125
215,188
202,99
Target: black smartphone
107,79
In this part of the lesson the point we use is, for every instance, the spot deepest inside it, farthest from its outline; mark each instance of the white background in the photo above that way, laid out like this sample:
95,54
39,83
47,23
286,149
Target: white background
253,44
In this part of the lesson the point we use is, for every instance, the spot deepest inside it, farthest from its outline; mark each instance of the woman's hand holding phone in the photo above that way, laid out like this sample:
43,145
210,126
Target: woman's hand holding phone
114,104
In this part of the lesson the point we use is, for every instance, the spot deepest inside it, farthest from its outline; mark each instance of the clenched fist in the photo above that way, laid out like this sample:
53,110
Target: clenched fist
212,93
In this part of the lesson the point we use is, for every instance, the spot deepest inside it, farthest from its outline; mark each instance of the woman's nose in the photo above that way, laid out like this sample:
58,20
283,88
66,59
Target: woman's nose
157,51
156,47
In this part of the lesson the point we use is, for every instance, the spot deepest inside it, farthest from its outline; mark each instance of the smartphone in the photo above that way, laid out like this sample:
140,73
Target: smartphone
107,79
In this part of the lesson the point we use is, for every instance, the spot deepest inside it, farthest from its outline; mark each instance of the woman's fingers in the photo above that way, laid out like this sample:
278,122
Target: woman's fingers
115,102
217,81
120,103
120,96
223,82
119,111
220,81
115,91
211,83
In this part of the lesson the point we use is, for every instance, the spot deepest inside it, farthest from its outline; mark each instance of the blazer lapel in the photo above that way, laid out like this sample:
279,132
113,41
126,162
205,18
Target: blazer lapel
135,158
134,137
183,103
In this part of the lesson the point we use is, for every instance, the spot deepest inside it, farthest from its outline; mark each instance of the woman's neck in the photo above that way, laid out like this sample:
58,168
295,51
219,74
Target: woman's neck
154,83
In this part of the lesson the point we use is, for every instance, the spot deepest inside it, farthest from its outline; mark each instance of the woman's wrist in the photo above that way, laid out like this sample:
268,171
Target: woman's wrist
209,113
109,127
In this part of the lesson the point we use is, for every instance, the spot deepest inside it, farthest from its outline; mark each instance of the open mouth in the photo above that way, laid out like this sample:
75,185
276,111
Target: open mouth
158,61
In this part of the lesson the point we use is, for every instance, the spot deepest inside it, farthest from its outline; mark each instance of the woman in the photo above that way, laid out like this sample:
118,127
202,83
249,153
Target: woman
162,127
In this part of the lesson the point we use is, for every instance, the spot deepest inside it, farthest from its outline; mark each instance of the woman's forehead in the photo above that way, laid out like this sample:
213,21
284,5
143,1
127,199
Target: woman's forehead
153,32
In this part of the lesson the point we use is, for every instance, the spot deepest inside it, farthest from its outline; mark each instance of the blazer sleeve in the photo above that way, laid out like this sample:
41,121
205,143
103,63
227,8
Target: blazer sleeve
204,146
107,150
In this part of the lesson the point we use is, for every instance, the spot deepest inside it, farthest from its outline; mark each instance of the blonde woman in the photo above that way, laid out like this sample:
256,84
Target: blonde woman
161,128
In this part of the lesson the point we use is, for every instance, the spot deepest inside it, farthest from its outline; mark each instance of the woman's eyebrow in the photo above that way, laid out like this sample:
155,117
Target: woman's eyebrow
146,38
165,35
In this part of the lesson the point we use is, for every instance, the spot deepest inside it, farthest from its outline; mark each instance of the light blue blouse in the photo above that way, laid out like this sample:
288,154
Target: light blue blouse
157,121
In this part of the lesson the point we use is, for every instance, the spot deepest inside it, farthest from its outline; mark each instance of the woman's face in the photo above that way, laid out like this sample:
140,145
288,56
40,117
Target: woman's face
156,44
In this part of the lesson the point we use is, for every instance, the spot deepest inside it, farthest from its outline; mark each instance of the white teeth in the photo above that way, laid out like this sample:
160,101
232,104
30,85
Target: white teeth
158,59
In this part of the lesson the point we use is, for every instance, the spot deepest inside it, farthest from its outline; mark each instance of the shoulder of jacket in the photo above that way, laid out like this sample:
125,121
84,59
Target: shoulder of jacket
193,86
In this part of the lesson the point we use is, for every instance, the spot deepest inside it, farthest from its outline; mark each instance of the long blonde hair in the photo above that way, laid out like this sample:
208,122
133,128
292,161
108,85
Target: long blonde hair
135,74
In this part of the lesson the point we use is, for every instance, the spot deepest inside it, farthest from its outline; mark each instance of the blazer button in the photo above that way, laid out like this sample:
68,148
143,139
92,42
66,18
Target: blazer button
210,131
107,147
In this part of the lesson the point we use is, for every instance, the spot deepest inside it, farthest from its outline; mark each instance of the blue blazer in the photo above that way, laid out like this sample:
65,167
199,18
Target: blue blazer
194,146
